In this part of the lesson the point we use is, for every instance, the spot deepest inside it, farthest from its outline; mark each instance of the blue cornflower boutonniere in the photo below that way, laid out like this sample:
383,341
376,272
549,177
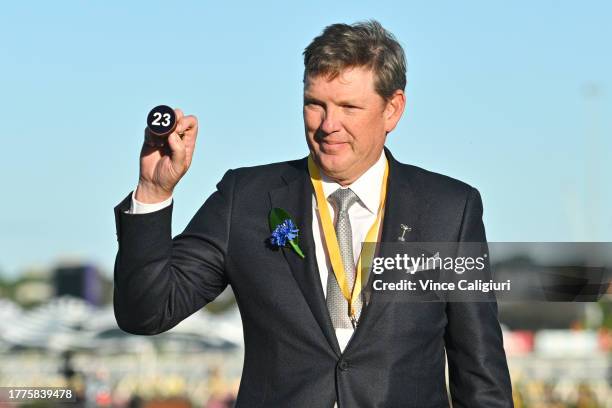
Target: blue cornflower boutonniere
284,230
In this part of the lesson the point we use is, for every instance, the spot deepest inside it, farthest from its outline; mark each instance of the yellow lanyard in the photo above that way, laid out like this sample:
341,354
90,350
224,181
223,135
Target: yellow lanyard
331,240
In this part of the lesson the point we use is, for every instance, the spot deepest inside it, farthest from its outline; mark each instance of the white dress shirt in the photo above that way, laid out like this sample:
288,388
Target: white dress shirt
361,215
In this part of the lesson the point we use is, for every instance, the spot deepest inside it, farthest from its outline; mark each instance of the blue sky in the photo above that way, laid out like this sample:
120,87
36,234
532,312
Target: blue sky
511,97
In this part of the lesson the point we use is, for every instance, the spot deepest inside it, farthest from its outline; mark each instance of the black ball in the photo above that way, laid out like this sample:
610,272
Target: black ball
161,121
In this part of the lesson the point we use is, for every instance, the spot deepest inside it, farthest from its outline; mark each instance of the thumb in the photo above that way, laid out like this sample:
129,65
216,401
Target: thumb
177,147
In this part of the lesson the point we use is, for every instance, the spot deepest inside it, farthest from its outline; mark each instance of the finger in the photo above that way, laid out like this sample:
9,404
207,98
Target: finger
188,130
190,135
186,124
178,153
179,115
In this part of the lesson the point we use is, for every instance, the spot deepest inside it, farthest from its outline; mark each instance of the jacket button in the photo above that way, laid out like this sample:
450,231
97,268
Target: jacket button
343,365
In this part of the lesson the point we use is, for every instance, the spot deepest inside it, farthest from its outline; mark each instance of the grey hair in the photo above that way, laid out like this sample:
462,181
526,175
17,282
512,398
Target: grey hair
363,44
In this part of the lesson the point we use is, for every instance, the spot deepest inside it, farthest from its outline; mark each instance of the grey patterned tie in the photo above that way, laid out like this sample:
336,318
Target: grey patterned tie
342,199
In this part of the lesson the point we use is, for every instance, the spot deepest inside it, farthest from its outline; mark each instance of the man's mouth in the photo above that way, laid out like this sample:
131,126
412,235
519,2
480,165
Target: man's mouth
329,146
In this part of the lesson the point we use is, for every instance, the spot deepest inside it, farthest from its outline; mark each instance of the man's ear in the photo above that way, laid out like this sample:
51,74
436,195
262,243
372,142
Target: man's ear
394,109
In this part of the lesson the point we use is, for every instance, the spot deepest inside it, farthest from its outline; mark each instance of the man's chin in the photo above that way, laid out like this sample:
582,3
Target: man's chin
332,165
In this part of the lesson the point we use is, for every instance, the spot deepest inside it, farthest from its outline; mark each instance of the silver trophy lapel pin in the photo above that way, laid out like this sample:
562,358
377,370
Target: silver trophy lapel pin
405,229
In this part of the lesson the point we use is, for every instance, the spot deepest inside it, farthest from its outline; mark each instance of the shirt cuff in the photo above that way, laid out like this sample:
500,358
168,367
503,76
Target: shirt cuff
137,207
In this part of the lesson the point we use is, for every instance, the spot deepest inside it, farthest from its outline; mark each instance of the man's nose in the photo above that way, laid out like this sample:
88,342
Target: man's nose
331,121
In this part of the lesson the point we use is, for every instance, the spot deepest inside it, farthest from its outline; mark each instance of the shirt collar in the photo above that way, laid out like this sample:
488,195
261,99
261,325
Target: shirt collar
367,186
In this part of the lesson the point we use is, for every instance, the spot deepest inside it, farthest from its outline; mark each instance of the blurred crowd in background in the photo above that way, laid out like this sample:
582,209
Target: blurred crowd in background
57,329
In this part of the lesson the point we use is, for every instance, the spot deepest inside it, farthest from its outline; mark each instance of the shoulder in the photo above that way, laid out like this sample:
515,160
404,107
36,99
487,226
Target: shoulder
431,184
453,206
265,176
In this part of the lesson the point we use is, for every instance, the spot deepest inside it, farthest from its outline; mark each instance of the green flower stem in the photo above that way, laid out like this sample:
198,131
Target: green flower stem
296,248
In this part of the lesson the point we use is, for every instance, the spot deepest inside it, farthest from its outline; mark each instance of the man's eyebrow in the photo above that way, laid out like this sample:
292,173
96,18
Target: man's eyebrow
348,102
308,98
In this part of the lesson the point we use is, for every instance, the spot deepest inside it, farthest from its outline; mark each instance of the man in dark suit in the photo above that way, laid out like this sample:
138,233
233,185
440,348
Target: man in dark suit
305,344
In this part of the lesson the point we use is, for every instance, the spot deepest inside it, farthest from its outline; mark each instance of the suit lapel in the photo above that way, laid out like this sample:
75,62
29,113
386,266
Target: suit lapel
296,198
401,208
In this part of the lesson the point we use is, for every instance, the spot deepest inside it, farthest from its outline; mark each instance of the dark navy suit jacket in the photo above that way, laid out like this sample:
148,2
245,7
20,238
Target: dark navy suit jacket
396,358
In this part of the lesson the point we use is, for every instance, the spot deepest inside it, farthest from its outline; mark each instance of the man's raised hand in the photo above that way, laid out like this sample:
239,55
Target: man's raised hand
163,162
